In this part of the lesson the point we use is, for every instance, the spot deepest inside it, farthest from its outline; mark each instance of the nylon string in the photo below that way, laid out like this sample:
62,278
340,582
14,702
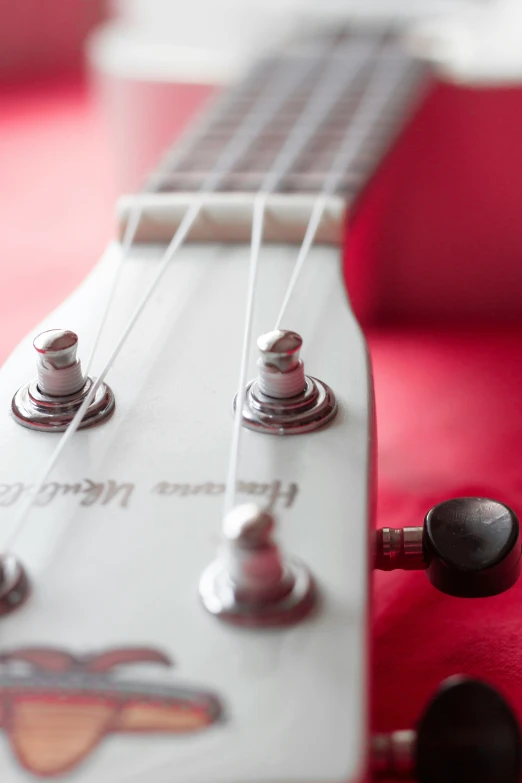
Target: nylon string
322,99
128,239
382,86
262,112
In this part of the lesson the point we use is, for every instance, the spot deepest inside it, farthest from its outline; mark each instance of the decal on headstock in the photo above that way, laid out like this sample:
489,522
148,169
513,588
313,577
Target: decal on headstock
56,707
120,494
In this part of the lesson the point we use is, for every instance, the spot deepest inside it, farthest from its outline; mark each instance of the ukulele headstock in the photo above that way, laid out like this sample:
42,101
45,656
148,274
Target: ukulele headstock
142,548
120,536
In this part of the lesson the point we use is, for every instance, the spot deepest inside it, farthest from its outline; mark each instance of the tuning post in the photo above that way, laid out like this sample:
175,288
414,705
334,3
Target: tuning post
50,402
469,547
251,583
282,400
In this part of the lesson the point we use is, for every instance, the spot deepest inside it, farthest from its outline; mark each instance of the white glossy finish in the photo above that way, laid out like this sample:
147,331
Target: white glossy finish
480,45
108,576
227,217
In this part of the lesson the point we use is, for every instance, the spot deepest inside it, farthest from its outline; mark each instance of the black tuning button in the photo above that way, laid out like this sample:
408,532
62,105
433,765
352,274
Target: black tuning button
468,734
472,547
469,547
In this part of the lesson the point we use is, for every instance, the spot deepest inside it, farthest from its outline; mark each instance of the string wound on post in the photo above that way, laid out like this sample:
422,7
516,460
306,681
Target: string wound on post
50,402
251,583
282,400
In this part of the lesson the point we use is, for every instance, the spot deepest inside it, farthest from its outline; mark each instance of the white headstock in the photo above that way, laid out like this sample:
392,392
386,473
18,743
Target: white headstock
117,542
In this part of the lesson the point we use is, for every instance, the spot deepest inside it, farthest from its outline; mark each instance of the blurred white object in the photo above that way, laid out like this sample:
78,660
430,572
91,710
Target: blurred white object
200,41
160,61
478,44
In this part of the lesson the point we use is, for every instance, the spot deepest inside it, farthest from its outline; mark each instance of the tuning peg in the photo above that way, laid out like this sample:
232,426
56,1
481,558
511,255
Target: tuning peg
251,582
467,734
50,402
469,547
282,400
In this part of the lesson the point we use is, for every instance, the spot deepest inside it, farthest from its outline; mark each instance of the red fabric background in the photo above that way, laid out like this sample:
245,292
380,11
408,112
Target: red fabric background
448,401
437,236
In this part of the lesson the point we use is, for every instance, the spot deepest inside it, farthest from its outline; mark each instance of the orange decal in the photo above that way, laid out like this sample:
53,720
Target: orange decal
62,706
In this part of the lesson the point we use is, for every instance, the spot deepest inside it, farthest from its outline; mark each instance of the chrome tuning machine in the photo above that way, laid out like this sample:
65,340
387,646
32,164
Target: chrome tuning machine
50,402
282,400
251,583
469,547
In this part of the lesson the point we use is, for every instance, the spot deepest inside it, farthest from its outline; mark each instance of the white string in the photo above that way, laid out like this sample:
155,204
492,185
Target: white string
311,231
317,107
263,110
257,230
371,106
323,98
179,236
128,239
255,246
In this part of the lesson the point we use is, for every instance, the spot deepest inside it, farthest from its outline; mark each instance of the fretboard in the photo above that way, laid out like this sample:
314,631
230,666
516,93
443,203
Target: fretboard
293,114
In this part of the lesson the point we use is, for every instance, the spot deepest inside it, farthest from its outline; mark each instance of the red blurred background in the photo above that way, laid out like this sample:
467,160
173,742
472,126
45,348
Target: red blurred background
433,260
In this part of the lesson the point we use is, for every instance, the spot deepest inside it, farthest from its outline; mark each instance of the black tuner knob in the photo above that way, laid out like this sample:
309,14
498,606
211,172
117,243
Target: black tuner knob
472,547
469,547
468,734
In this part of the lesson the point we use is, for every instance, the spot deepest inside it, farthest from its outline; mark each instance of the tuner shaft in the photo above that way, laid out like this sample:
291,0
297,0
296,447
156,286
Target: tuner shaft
59,371
281,371
393,755
399,548
469,547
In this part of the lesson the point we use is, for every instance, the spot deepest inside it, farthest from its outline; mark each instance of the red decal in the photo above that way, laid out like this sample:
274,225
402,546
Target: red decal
64,705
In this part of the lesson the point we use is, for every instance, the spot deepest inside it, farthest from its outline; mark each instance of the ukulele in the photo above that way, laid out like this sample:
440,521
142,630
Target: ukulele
187,472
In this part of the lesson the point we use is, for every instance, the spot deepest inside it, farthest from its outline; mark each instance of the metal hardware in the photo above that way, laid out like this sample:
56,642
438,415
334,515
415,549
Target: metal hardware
59,371
14,584
393,755
250,583
281,371
282,400
399,548
467,734
50,403
469,547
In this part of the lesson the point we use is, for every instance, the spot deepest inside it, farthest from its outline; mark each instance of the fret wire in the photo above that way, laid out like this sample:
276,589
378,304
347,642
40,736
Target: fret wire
291,78
385,79
318,107
307,168
208,117
254,123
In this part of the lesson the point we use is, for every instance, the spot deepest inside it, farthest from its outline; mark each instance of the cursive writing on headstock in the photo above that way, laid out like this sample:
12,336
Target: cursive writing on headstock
89,492
271,492
120,494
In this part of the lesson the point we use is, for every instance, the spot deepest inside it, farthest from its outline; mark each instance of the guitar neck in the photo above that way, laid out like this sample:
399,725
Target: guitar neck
293,112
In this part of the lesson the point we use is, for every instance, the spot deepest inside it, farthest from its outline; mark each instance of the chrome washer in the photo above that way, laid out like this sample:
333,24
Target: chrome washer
37,411
305,412
219,596
14,584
